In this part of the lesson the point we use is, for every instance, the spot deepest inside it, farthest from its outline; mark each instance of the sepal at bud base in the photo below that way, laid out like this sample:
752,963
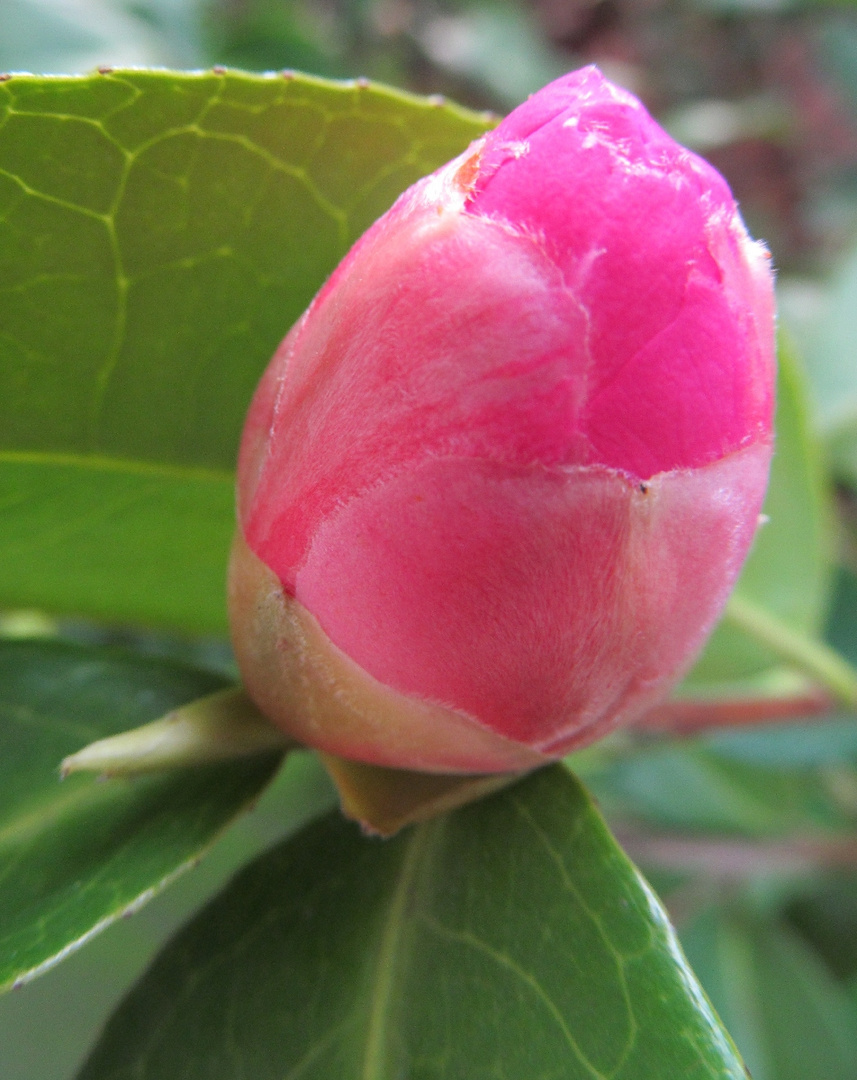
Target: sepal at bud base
383,801
222,726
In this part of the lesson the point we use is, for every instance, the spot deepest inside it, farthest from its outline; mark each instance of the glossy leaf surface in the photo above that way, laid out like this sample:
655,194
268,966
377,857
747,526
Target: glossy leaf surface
159,233
76,855
509,939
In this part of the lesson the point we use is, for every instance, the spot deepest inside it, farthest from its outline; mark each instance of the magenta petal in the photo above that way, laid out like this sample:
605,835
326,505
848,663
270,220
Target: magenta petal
648,239
446,336
546,604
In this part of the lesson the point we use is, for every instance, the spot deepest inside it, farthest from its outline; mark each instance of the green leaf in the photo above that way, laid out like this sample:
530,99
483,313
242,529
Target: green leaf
713,787
511,938
790,1018
829,338
822,316
76,855
842,624
825,915
263,35
788,572
79,994
159,234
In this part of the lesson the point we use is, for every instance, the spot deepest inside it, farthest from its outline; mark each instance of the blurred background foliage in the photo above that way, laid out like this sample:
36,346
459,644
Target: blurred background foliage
751,837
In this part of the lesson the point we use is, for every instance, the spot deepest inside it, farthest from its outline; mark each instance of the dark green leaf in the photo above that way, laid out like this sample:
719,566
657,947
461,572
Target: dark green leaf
788,572
509,939
264,35
790,1018
75,855
842,624
159,233
79,994
825,915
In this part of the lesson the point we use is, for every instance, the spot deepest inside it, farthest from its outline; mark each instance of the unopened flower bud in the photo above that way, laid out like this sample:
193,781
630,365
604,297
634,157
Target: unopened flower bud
498,481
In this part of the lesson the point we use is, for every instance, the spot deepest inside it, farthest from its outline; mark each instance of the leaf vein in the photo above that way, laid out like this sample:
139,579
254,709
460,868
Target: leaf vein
464,937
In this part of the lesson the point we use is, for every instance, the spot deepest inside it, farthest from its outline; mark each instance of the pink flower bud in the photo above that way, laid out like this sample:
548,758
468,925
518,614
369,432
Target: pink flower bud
498,481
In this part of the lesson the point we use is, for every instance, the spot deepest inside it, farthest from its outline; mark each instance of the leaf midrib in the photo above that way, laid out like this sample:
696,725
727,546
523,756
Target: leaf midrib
44,815
391,949
127,466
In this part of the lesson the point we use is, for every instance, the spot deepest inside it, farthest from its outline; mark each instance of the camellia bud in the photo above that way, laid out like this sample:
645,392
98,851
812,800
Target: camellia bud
498,481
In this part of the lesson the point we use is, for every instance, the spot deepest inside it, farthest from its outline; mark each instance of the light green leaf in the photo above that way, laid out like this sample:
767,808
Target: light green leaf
828,337
822,316
788,572
58,36
693,786
76,855
791,1019
509,939
159,234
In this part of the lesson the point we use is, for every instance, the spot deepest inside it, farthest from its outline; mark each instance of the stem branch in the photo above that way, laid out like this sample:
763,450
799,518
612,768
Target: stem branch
817,660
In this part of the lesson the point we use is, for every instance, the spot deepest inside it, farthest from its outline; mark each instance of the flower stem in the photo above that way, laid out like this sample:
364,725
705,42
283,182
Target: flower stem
734,858
690,716
819,661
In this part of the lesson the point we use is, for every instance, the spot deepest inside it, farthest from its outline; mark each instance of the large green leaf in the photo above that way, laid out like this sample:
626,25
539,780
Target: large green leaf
788,571
511,938
159,233
76,855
